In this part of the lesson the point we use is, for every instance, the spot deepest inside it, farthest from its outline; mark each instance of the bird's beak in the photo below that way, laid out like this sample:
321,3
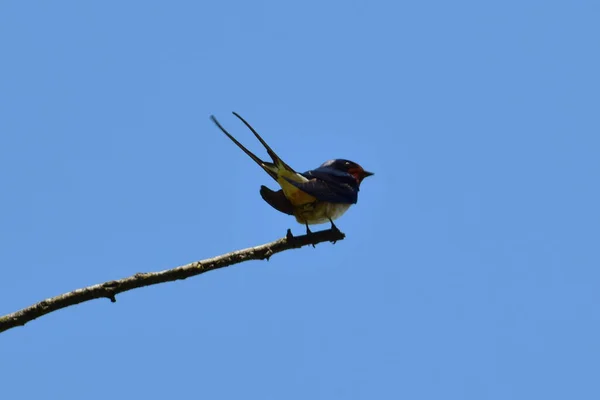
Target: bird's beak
367,173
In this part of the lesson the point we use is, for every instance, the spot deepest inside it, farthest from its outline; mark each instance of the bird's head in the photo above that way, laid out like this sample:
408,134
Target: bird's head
348,167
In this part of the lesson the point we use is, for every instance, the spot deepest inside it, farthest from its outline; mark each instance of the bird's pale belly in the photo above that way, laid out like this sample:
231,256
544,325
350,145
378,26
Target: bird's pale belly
320,212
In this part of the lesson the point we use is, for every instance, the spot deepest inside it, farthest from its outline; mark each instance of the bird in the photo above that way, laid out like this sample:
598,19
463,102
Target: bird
313,197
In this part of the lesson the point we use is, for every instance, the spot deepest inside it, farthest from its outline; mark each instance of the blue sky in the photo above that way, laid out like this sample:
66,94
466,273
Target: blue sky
470,268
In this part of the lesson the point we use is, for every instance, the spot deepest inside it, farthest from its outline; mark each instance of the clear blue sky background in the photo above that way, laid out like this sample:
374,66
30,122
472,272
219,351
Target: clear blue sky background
471,264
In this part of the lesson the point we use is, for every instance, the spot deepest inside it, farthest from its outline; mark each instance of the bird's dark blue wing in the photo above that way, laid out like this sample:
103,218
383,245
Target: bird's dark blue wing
327,184
331,175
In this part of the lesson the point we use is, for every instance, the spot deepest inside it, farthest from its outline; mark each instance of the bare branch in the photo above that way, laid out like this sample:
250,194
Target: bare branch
111,288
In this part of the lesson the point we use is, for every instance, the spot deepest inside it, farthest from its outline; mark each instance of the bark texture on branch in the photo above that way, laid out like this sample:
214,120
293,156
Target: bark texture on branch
111,288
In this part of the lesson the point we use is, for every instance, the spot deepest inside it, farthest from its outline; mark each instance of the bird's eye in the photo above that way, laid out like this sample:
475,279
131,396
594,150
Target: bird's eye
346,163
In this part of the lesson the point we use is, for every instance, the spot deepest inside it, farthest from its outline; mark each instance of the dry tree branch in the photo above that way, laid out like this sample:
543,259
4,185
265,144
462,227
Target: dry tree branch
111,288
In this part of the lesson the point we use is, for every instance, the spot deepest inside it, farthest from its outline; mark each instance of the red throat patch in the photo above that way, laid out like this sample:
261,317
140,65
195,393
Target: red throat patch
357,173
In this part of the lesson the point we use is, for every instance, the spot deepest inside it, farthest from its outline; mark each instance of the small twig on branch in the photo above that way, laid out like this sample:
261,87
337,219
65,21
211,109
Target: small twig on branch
110,289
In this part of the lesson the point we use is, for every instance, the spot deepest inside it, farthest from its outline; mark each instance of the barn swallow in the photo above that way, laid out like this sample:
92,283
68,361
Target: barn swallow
313,197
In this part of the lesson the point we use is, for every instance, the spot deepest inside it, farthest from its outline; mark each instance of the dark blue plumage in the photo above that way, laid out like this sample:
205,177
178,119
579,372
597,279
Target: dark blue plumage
331,183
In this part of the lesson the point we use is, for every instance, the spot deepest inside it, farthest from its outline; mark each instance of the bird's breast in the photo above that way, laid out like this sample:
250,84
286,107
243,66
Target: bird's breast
320,212
336,210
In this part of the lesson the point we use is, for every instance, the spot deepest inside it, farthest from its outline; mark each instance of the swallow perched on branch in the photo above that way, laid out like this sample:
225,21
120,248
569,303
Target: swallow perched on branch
313,197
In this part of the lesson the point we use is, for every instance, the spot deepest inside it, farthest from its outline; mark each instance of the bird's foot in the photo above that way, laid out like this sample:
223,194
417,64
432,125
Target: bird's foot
334,228
309,232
